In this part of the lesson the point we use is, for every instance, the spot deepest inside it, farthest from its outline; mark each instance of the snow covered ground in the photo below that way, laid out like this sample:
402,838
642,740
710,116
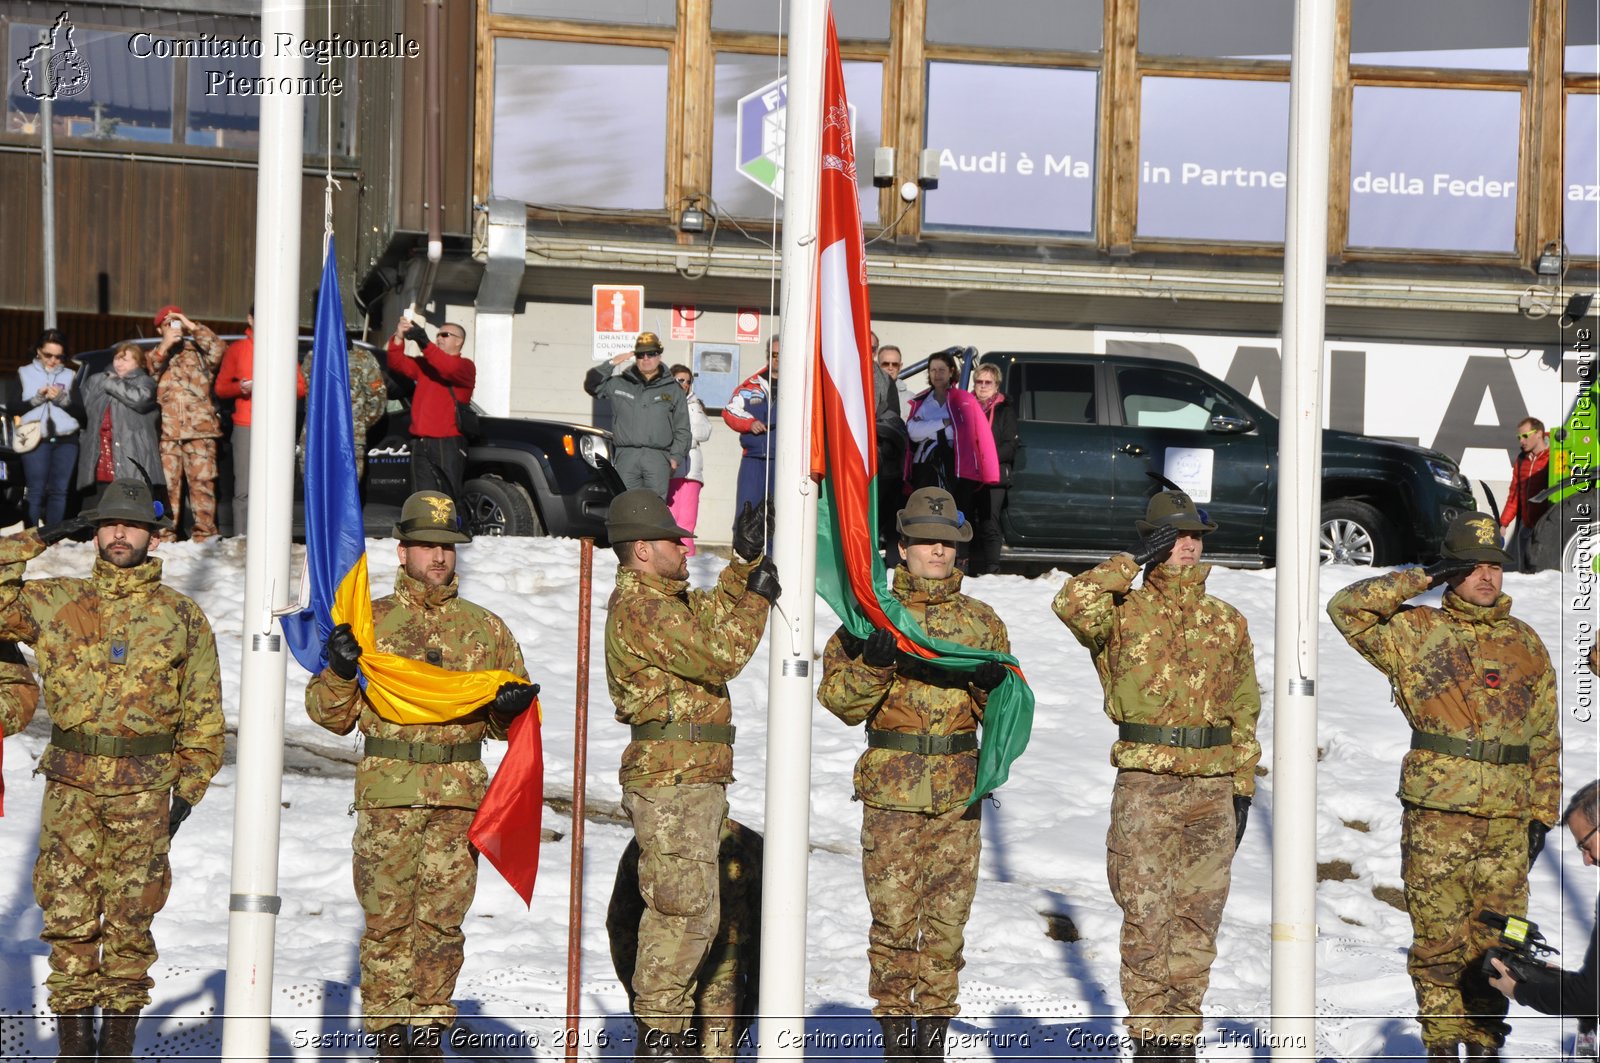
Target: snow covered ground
1024,994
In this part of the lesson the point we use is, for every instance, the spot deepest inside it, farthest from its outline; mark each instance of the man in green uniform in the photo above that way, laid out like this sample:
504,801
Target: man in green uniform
418,785
920,837
1481,785
650,415
670,653
132,687
1179,677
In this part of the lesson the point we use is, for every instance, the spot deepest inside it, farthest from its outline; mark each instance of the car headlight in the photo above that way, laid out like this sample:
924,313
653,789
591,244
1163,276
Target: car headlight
1448,474
592,448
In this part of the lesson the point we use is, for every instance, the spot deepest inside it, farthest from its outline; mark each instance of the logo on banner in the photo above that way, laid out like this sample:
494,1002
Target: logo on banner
65,75
747,325
759,135
618,317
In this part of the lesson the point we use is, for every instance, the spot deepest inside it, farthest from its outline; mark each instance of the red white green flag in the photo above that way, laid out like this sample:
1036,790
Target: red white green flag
844,449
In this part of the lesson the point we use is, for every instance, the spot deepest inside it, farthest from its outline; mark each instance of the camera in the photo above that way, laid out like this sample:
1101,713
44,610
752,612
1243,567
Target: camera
1521,947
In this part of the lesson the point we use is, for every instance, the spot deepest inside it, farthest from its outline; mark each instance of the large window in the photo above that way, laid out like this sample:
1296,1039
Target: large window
1440,34
1581,216
1016,146
580,125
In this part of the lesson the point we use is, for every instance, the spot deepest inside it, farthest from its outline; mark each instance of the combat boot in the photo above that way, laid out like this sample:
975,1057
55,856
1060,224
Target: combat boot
663,1044
1488,1052
116,1034
1443,1051
391,1043
931,1033
75,1032
899,1036
427,1042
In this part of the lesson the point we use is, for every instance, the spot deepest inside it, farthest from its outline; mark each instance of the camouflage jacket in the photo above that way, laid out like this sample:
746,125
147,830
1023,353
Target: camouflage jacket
670,653
1168,655
367,393
1466,671
120,655
437,625
19,692
184,379
915,697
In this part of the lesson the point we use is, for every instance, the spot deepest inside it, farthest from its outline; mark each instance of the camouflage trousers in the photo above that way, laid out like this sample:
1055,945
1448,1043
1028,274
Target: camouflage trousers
101,877
921,872
1454,866
1169,855
194,460
679,830
415,876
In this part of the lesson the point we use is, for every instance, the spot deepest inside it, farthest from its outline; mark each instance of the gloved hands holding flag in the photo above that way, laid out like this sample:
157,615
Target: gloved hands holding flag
511,701
343,652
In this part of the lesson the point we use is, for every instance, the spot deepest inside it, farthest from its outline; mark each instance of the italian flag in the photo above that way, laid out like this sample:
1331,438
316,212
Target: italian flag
844,449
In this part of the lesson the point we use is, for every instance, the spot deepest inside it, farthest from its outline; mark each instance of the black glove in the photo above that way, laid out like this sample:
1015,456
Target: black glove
1448,568
764,580
417,334
511,701
343,652
1157,545
1241,816
1536,833
62,529
180,812
750,531
880,650
989,675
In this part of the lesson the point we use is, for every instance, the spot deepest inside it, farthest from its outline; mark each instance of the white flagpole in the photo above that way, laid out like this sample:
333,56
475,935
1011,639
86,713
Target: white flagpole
791,632
1294,755
253,902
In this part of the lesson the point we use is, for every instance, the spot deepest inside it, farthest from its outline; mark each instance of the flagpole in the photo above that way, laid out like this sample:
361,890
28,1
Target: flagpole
1294,757
253,902
791,632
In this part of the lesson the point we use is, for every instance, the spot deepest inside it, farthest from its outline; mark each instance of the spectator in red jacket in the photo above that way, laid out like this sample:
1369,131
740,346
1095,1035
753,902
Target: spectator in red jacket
443,377
236,380
1528,478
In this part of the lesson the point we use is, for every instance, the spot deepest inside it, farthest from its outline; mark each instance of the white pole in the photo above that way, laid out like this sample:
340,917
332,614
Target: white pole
1294,758
791,634
253,903
47,177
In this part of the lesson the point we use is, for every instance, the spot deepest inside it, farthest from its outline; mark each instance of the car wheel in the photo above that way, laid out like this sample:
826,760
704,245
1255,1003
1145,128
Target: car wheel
496,507
1564,538
1353,533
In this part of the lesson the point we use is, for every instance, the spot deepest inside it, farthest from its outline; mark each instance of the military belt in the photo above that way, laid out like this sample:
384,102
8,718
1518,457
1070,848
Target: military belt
927,745
1182,737
1470,749
659,731
423,752
111,745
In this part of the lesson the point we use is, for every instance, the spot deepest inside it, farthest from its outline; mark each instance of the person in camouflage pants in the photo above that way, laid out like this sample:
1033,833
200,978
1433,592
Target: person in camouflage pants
368,397
920,835
418,785
132,686
185,365
1179,677
1481,785
670,653
728,979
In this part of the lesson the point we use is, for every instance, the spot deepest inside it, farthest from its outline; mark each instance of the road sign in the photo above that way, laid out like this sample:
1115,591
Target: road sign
618,318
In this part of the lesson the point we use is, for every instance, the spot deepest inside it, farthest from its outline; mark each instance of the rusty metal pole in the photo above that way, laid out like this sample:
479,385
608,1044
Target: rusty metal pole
580,749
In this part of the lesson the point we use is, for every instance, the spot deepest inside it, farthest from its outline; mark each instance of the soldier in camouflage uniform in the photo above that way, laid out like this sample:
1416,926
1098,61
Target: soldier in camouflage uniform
185,367
670,653
920,837
418,785
1179,677
368,397
727,982
131,682
1481,785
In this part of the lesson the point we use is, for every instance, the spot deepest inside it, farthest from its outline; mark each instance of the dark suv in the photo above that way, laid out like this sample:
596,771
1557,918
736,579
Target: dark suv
524,476
1094,427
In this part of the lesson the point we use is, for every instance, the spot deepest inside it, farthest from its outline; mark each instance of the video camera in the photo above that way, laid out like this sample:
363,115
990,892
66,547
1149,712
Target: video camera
1521,947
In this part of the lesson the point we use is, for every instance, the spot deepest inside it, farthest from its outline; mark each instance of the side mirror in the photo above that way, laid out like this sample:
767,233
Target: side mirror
1227,424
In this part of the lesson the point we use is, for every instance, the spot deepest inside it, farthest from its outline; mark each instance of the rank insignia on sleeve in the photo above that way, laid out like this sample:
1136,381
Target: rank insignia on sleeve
1491,678
119,651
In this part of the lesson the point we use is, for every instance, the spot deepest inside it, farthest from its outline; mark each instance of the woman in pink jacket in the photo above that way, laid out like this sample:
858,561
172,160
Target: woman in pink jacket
951,444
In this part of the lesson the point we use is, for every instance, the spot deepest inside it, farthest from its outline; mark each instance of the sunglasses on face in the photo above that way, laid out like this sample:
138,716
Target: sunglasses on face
1583,842
1525,435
